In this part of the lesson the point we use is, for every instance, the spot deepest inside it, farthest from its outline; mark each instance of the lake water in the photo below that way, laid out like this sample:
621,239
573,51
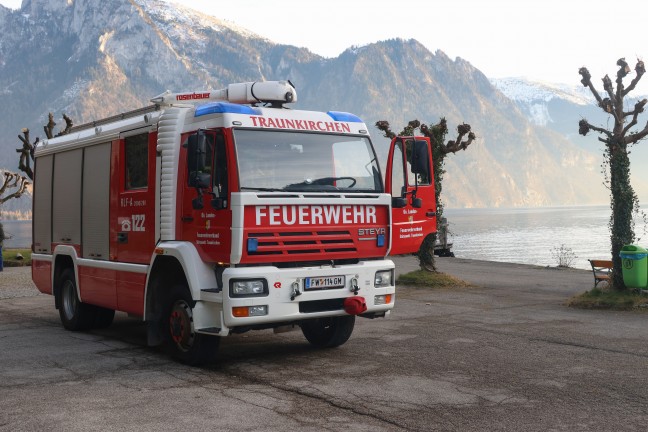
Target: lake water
528,236
525,236
20,231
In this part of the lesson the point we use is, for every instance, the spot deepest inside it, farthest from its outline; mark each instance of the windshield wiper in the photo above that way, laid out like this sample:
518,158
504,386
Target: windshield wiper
262,189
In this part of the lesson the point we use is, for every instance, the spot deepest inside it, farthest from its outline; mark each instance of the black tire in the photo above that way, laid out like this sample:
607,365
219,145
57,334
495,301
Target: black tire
180,339
103,317
74,314
328,332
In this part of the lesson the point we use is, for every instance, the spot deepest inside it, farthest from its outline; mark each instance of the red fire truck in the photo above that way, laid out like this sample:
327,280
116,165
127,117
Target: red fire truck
218,212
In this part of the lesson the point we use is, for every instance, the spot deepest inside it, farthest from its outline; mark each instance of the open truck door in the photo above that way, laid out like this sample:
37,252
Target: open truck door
410,181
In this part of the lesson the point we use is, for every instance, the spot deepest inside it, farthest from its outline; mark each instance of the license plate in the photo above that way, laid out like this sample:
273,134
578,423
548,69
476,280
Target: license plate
324,282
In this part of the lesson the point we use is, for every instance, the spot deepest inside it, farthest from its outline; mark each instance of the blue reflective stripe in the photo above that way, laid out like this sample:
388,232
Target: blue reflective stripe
225,107
634,256
344,116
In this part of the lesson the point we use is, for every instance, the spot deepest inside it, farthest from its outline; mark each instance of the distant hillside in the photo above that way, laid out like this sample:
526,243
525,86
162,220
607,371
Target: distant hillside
560,108
92,58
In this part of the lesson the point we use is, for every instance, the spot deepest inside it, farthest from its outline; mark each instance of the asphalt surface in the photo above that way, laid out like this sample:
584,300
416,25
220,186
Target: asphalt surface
504,354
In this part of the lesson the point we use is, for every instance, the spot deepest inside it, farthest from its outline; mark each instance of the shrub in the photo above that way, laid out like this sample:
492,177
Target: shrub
563,255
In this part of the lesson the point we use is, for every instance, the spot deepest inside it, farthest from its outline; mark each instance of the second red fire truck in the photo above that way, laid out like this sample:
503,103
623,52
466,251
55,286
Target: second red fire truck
218,212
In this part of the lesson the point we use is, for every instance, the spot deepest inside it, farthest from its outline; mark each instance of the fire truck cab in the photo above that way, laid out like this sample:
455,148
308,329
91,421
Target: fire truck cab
218,212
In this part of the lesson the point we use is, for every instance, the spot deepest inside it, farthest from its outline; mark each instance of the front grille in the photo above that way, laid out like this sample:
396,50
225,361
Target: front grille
295,243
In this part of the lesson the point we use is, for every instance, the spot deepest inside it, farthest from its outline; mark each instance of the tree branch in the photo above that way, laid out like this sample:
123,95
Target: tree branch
640,69
383,126
639,108
49,127
458,144
587,82
26,153
633,138
610,105
410,128
13,180
584,127
68,126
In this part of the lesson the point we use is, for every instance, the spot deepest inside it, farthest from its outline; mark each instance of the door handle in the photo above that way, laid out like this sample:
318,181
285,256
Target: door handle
122,237
430,214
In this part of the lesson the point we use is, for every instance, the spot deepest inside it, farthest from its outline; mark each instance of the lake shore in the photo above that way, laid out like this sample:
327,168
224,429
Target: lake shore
16,281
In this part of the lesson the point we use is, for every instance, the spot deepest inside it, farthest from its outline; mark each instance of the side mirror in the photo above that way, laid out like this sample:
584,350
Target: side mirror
197,161
420,158
399,202
417,202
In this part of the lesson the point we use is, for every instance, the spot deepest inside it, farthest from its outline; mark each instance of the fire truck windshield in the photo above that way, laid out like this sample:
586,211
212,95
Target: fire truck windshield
309,162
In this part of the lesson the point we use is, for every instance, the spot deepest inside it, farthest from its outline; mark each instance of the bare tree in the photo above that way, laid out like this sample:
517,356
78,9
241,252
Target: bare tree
27,153
623,200
28,148
13,186
440,150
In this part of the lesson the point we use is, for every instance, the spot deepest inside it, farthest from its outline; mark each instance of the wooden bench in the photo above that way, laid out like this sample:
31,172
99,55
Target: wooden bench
602,270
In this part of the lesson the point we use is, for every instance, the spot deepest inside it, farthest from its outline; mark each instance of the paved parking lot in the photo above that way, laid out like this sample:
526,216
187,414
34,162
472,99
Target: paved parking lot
504,354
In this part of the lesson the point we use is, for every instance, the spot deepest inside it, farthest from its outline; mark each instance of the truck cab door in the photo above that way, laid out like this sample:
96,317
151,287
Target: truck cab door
206,216
132,236
410,181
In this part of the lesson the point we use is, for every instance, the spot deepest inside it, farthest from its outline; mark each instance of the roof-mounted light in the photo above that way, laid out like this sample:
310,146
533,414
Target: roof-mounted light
276,93
344,116
224,107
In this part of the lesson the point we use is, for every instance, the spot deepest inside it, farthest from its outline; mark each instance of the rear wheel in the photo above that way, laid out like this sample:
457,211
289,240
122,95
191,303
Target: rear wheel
181,340
328,332
74,314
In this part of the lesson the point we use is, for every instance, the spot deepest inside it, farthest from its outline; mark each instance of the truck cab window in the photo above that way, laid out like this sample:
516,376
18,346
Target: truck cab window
398,173
422,178
136,155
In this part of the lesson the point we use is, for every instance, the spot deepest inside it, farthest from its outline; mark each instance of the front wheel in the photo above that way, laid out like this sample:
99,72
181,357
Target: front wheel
181,340
328,332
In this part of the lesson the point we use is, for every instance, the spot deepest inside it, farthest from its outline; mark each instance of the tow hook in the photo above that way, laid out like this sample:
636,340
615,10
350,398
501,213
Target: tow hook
295,291
354,286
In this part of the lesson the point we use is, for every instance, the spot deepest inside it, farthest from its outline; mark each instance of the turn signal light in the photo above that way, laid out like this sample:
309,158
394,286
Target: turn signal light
241,312
382,299
249,311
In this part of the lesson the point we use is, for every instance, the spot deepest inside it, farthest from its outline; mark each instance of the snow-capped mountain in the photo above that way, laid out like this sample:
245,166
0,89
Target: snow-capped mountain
93,58
538,100
560,107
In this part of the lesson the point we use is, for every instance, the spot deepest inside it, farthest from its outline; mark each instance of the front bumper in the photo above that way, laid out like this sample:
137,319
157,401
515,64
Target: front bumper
287,300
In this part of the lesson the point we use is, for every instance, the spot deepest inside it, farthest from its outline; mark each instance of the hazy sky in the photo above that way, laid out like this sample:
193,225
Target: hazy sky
539,39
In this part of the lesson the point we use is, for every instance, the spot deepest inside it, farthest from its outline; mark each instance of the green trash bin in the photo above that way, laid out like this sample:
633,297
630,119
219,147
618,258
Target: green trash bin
634,260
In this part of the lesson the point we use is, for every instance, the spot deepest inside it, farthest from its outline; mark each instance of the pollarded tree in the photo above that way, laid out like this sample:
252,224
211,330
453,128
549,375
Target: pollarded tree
440,150
12,185
623,200
28,148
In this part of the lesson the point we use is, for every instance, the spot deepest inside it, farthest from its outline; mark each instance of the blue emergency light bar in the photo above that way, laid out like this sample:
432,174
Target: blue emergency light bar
344,117
225,107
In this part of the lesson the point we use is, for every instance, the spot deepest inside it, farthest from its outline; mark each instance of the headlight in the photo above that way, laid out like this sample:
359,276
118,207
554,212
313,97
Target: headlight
248,288
384,278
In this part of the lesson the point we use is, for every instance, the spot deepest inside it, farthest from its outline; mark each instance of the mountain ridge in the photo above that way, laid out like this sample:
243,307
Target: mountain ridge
97,59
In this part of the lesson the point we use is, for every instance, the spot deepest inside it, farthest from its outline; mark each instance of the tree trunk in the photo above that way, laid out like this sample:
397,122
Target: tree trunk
623,201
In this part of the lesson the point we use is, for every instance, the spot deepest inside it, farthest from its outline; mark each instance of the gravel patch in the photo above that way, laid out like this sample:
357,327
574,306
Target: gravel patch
16,282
